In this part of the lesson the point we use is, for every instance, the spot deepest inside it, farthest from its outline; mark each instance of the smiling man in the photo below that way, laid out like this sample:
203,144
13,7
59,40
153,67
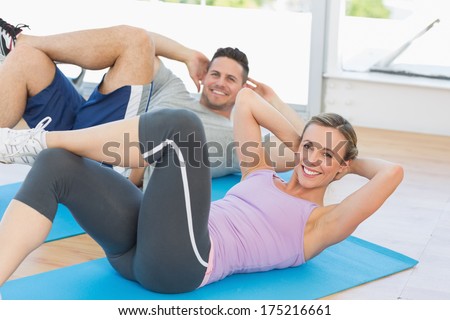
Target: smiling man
34,93
32,88
226,74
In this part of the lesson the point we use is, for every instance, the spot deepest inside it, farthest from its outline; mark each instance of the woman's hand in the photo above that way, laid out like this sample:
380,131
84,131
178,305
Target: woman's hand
270,96
346,169
262,89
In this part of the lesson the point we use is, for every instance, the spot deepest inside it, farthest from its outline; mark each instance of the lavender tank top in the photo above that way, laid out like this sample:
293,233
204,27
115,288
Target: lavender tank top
256,227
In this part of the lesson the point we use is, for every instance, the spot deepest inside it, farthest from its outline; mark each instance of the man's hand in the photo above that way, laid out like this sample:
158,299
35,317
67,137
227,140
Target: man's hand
197,66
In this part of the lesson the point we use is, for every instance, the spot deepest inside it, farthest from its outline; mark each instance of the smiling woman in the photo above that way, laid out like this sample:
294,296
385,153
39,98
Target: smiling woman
171,238
322,153
327,152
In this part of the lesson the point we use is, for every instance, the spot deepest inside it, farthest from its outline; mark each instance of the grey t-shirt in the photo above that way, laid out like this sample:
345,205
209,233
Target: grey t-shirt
169,91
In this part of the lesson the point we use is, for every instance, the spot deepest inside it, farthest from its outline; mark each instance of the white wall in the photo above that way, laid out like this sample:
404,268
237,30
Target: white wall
390,104
276,42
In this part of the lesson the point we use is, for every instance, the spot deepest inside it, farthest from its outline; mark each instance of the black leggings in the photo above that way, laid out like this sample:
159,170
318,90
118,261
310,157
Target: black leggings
158,238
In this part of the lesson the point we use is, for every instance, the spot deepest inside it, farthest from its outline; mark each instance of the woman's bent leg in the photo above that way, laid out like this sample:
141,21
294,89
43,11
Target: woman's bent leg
173,240
161,239
104,203
22,229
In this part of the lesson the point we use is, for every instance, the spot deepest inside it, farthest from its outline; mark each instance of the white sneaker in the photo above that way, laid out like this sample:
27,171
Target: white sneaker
22,146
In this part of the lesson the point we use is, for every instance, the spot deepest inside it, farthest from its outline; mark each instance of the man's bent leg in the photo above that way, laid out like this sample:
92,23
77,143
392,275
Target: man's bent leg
127,51
24,73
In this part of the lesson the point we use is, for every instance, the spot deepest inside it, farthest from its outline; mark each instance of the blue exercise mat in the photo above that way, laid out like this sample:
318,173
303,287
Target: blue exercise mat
324,275
64,224
340,267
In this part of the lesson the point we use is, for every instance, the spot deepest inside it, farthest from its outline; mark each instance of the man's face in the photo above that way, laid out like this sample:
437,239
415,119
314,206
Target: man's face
221,84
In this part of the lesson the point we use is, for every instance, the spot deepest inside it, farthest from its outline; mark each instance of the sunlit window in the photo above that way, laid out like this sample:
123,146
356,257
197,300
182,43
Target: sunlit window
405,37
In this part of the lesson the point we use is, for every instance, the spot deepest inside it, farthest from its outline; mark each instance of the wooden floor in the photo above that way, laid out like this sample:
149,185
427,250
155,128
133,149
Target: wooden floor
414,221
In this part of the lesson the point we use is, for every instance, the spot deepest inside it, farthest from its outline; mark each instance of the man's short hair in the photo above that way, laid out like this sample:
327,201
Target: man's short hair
235,54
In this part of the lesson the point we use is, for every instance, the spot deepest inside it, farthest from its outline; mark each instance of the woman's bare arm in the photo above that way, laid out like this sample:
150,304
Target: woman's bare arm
337,222
251,112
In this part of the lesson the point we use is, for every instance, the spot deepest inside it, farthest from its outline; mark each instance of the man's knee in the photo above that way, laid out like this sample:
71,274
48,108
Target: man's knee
134,37
35,68
27,55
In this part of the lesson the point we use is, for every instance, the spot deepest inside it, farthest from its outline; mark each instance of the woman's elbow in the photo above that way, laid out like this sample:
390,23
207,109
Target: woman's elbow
396,174
244,97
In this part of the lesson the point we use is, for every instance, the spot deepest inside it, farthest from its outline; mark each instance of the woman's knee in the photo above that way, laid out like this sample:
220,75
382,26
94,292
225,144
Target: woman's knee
179,120
182,127
55,160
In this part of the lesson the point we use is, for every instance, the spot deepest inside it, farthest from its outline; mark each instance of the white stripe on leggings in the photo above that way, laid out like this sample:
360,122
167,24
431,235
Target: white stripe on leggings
187,196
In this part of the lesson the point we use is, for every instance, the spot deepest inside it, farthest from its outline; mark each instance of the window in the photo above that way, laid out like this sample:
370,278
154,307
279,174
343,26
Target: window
405,37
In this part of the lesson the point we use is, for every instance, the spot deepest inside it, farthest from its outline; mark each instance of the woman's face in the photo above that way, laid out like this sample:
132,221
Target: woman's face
321,156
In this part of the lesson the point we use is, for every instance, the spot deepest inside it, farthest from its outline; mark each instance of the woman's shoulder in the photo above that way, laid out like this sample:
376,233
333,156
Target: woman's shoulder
259,172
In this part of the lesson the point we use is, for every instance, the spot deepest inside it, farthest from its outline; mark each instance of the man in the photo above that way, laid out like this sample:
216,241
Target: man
32,88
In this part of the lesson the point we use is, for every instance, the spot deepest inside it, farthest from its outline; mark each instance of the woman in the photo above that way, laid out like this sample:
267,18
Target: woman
171,238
